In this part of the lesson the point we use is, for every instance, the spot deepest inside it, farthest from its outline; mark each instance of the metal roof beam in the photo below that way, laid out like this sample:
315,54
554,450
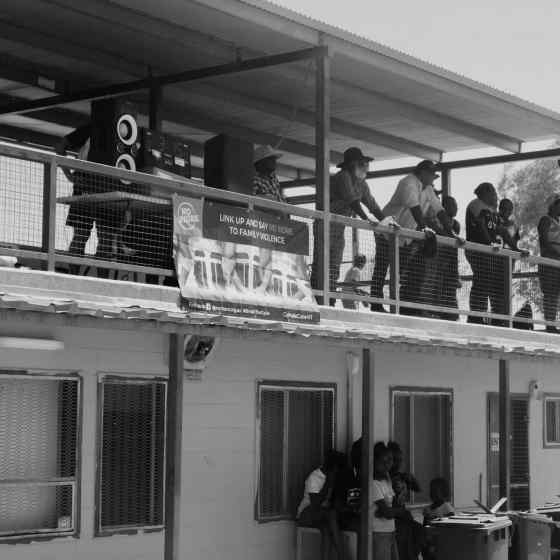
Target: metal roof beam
218,49
338,126
134,86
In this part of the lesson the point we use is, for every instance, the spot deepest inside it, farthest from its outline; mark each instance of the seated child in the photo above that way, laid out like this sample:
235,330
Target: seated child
317,510
440,507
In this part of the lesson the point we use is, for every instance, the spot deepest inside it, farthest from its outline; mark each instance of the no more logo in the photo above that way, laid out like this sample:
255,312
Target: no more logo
187,216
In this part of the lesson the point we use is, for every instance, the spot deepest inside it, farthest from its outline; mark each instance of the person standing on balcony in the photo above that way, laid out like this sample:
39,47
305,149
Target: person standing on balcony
81,217
488,270
413,200
266,185
507,227
348,190
549,276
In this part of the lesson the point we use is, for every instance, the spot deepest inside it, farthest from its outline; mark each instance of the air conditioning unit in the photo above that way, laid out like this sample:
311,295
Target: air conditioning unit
198,351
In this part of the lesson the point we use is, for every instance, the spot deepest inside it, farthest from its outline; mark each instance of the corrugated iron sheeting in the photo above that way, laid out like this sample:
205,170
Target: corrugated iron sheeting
353,333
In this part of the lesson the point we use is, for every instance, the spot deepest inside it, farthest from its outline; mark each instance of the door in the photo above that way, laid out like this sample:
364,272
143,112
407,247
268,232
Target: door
519,476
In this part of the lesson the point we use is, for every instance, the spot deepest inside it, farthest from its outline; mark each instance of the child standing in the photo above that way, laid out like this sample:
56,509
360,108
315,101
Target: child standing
382,496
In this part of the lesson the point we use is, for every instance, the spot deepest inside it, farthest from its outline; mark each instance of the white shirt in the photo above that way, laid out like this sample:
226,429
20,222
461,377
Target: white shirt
381,490
313,485
411,193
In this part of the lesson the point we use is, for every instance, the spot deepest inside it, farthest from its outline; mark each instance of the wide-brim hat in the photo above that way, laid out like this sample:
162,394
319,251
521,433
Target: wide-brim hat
265,152
352,155
428,166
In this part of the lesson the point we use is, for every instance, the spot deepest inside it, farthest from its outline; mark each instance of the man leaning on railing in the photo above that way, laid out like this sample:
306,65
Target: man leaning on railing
348,190
413,199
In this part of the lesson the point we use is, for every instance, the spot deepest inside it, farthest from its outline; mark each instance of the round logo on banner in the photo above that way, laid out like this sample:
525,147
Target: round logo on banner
187,216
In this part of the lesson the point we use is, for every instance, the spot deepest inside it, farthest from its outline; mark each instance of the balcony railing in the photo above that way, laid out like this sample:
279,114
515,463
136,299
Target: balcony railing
132,240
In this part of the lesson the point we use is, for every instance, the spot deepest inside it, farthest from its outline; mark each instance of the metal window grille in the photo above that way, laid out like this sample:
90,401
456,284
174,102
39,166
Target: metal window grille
38,454
297,428
422,425
131,473
552,421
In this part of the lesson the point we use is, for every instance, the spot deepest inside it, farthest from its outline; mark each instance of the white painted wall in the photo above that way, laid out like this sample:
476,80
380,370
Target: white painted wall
219,443
471,379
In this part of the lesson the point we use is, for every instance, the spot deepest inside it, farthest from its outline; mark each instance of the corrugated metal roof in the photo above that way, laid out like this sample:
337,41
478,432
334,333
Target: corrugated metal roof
38,292
387,102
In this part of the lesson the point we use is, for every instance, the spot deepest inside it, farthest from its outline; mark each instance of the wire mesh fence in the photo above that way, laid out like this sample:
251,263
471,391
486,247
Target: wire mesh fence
38,454
109,224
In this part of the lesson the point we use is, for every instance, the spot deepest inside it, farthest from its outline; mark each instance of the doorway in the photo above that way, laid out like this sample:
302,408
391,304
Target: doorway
519,476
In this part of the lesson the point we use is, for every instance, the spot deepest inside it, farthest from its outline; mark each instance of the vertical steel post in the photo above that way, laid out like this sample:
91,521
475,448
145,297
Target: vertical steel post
174,437
366,470
508,289
49,213
505,430
394,272
322,163
445,182
156,98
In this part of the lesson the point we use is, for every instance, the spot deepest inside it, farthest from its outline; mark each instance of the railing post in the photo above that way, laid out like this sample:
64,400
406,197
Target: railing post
445,182
49,212
394,272
322,128
508,291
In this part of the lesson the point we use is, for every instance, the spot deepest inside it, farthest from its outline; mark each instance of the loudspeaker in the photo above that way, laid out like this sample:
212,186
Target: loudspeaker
165,152
197,351
228,164
115,136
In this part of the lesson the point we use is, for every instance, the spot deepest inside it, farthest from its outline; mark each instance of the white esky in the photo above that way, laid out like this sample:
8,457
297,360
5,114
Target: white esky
510,45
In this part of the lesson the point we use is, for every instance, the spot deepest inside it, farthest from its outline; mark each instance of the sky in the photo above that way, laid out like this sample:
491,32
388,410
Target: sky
510,45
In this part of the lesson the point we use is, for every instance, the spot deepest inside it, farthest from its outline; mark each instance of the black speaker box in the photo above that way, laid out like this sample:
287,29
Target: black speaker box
228,164
164,151
115,136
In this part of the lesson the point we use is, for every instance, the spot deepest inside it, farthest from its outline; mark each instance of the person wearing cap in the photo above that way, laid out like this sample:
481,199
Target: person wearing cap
488,270
266,185
549,276
413,200
349,191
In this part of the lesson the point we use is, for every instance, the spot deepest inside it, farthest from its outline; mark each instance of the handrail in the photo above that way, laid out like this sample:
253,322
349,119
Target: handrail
167,187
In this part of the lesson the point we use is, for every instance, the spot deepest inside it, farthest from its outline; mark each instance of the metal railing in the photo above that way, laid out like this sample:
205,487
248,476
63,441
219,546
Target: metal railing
132,239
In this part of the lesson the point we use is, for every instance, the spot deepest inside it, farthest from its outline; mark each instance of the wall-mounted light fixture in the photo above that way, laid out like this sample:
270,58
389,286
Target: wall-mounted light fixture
21,343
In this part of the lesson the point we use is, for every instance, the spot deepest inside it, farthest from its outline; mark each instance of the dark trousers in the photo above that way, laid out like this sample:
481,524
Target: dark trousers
336,251
489,283
549,278
383,257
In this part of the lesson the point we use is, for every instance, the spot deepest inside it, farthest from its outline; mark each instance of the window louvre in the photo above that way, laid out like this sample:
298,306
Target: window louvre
297,427
38,454
552,420
131,454
422,425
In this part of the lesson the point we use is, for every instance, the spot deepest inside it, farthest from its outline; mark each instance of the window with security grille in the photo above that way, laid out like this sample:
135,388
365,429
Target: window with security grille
422,426
552,420
38,454
131,465
297,429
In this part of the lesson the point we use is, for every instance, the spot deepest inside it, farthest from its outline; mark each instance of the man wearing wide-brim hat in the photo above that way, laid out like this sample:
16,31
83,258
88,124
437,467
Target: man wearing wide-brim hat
348,192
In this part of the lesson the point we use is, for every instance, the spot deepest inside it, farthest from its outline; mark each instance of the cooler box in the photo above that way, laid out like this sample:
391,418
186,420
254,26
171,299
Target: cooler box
480,537
531,536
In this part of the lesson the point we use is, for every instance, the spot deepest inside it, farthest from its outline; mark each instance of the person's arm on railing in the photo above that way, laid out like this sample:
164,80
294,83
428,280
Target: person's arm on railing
416,212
